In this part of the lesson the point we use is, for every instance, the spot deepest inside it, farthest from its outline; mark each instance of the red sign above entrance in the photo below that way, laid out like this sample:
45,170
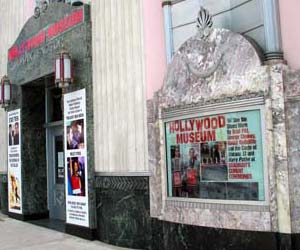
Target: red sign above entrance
33,42
54,30
65,24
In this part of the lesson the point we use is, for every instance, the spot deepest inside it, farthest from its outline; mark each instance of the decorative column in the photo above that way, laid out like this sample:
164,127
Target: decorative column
272,30
166,4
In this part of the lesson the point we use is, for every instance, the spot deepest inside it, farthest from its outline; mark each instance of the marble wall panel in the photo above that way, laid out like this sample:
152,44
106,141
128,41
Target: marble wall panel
241,220
280,148
123,211
186,237
291,82
292,98
33,151
153,152
292,119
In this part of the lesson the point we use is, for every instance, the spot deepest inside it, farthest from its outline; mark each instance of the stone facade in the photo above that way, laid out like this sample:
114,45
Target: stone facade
212,72
32,66
231,70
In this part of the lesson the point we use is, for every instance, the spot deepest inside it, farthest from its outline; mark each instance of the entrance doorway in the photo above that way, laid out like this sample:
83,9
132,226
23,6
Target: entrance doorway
43,151
55,154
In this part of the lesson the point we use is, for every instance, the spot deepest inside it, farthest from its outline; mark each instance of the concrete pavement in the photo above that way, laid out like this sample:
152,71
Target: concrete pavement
16,234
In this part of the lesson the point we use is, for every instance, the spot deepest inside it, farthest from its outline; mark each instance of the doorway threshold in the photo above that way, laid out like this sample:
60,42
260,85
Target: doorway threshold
57,225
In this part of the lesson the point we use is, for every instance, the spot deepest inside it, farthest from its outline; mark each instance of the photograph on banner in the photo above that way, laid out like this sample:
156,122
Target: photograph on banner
13,135
216,157
75,134
14,191
213,161
76,176
185,166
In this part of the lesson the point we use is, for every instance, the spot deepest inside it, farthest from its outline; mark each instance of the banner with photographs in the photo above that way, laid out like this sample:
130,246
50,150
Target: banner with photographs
216,157
77,210
14,162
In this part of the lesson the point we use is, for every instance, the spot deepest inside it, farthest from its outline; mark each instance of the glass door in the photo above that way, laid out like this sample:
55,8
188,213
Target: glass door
56,173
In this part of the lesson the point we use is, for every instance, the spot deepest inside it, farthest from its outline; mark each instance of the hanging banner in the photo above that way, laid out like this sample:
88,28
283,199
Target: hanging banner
216,157
14,162
77,210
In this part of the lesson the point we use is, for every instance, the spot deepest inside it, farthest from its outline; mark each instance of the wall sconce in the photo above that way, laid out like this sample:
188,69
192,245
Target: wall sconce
6,92
63,69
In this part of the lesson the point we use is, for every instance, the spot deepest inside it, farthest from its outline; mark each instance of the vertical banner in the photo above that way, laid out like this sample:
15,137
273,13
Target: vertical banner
14,162
77,210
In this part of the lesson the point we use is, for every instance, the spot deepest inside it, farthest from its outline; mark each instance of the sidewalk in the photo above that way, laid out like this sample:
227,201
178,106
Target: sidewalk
22,235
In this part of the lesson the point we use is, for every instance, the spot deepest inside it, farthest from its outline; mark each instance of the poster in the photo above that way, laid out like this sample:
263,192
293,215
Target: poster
14,162
216,157
77,210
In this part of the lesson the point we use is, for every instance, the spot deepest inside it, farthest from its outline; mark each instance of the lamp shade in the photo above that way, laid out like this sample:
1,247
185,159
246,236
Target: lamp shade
76,2
6,91
63,69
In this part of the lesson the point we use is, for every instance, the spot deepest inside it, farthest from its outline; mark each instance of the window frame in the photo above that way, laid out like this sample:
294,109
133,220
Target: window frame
220,108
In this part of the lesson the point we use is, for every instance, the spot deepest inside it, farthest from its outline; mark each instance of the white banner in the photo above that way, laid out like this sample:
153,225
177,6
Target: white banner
14,162
77,210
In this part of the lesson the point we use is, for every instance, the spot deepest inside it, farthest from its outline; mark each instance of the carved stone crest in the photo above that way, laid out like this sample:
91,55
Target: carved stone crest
208,63
204,25
41,6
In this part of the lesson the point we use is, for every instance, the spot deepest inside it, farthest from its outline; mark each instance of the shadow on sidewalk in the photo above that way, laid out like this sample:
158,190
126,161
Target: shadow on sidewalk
57,225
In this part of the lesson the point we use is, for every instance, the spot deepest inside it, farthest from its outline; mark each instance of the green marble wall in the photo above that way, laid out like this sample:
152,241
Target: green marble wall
33,151
3,193
123,211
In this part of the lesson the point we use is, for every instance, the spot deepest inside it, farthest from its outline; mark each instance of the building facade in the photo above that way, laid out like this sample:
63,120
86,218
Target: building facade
179,131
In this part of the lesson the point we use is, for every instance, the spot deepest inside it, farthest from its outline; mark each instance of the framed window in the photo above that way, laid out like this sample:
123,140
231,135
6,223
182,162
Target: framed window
217,156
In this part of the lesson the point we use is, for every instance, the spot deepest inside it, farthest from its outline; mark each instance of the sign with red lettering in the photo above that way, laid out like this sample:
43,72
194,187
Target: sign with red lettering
46,34
220,154
65,24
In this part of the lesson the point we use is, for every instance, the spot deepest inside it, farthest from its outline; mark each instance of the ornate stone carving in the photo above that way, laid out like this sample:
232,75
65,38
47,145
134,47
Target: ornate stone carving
213,62
204,22
204,25
42,6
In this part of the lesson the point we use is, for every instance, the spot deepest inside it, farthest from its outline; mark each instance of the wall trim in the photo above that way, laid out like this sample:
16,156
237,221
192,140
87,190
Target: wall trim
292,98
195,109
130,174
216,206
